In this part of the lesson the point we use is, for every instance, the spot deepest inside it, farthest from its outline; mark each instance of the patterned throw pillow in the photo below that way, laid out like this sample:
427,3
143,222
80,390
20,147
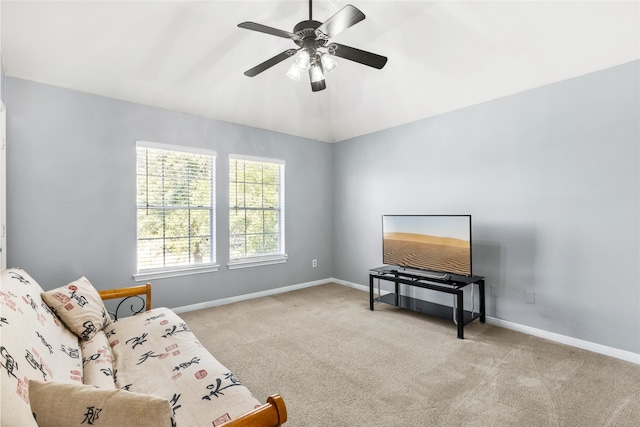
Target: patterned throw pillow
79,306
68,405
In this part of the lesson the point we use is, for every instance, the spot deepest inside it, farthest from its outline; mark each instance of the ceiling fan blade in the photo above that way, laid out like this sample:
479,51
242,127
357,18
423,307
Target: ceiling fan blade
270,63
357,55
343,19
268,30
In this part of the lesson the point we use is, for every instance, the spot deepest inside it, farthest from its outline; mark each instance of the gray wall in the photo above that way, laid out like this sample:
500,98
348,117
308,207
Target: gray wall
71,193
551,177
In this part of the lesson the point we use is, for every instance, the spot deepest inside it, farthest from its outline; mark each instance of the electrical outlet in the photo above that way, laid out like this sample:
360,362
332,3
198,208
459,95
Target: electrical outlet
314,263
495,290
530,297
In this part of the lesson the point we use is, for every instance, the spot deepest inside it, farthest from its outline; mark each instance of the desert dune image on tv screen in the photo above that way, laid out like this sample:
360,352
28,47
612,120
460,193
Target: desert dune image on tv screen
426,250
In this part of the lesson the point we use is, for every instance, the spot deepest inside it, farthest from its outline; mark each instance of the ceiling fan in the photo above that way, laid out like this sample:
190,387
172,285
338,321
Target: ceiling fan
314,53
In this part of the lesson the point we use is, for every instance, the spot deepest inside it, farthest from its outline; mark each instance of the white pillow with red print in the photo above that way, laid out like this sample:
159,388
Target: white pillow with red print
79,306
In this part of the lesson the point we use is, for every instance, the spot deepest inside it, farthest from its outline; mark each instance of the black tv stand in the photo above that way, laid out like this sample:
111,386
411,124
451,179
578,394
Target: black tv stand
451,284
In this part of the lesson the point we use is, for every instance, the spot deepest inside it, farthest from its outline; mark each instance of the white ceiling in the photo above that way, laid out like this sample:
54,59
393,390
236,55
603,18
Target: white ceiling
190,56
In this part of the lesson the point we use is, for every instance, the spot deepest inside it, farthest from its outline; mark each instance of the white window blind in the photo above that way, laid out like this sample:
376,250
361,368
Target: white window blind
256,215
175,207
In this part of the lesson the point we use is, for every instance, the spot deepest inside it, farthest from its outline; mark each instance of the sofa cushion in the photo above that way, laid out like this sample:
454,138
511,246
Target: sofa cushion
34,344
97,362
156,353
79,306
67,405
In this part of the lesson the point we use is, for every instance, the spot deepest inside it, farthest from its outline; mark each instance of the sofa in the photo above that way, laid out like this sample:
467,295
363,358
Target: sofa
67,361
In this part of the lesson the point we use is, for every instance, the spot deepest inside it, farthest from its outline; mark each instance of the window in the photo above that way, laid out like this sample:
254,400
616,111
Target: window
256,211
175,210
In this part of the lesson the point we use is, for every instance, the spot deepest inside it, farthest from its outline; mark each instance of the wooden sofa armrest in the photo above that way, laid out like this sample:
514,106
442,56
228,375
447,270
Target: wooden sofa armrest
126,293
271,414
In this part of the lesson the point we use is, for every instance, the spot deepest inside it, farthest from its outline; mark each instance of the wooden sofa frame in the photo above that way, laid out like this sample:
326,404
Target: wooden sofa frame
271,414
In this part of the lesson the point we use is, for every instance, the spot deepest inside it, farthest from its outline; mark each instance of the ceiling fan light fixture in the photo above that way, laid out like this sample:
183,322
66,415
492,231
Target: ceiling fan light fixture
315,73
317,77
318,86
328,63
303,61
294,73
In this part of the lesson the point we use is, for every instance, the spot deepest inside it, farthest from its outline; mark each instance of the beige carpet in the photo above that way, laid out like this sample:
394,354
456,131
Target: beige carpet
336,363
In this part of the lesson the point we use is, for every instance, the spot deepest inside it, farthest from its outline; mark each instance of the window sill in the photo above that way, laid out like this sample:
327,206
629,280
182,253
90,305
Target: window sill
257,262
174,272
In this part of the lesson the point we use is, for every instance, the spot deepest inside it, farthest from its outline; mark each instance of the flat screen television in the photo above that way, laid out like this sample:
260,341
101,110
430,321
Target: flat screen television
438,244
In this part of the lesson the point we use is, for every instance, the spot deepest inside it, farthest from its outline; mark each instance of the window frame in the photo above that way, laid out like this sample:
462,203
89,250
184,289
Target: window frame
261,260
181,270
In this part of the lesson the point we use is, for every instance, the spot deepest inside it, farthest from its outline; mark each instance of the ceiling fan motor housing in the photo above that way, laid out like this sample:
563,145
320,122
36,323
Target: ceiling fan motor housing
306,31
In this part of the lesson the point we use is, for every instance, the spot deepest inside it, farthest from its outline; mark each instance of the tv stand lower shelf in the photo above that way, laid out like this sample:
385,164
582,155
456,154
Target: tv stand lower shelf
426,307
453,285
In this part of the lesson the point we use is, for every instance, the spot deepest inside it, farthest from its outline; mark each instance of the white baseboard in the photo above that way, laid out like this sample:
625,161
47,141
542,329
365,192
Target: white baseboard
563,339
351,285
224,301
551,336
